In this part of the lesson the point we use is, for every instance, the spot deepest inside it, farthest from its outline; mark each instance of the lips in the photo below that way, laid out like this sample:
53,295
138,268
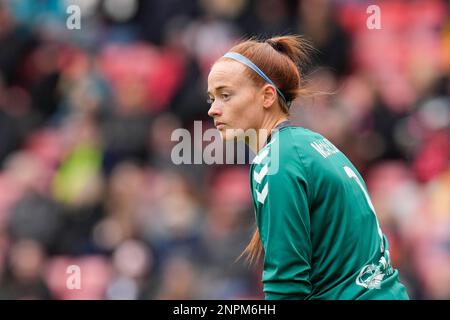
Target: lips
219,125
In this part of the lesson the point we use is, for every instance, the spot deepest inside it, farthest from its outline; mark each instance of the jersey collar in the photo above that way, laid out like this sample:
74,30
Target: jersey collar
281,125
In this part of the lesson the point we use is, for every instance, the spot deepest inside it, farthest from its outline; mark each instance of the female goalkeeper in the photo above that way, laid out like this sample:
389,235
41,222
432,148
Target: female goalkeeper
315,221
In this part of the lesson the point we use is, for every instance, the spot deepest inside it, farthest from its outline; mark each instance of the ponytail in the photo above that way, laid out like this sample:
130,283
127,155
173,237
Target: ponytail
254,249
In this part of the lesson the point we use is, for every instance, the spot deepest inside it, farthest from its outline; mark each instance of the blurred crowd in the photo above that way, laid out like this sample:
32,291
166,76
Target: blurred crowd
86,117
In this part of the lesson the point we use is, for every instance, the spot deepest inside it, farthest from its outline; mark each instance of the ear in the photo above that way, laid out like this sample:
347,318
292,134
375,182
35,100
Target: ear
269,95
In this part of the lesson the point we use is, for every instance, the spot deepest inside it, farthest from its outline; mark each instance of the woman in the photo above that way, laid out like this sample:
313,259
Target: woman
315,221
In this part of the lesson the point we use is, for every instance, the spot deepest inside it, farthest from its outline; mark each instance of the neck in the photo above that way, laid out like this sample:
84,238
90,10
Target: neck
263,133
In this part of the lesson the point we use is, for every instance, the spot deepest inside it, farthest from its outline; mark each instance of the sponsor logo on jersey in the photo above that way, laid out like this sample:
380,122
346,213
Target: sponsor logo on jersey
371,275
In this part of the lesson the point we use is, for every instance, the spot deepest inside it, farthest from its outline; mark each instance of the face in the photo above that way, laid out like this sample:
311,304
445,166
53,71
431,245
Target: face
236,102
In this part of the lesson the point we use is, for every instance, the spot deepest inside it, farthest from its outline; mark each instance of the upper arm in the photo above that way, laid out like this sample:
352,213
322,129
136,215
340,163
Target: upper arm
284,224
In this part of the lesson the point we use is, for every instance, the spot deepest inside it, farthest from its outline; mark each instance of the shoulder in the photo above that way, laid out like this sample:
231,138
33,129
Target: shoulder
284,154
301,151
298,138
306,145
278,170
295,145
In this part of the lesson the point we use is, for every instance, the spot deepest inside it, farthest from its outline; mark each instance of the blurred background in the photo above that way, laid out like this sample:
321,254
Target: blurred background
86,117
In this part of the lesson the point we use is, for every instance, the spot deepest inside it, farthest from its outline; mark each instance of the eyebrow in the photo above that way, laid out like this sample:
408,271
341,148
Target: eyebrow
218,88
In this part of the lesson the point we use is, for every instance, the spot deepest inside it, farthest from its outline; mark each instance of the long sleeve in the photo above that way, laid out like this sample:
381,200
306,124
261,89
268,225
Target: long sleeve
284,224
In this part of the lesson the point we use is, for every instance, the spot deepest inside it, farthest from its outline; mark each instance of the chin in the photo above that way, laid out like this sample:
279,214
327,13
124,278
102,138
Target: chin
227,134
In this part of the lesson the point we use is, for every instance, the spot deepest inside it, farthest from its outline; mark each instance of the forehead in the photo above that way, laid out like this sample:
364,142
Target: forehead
227,73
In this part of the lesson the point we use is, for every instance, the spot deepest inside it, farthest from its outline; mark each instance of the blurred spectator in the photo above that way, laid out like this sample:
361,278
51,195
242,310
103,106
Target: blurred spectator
23,278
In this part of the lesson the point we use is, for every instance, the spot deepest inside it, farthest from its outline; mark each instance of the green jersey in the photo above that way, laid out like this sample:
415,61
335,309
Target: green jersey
318,227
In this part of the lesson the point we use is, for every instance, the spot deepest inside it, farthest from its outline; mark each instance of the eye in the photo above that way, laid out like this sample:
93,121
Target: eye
225,96
209,100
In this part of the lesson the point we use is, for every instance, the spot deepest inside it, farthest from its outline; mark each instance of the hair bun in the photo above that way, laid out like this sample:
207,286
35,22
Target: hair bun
276,45
297,48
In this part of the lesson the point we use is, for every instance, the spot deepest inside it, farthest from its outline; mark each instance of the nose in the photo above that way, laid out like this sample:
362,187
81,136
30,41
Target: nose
214,111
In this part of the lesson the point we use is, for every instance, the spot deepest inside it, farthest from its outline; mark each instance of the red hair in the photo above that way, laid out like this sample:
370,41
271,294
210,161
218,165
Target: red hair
281,59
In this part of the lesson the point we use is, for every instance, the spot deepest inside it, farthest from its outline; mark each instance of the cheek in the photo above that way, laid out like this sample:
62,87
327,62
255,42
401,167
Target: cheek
246,110
252,111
